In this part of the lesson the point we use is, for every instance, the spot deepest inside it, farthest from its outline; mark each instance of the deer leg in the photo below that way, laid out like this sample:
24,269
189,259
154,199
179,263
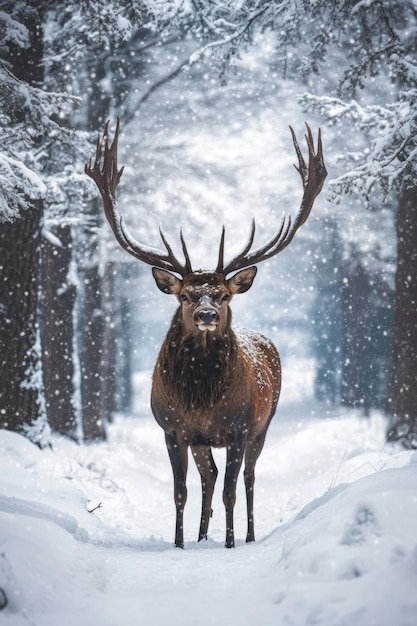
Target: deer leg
179,461
253,450
235,451
208,471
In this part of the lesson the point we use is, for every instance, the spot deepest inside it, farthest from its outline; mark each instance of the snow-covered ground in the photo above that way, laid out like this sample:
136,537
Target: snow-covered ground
335,515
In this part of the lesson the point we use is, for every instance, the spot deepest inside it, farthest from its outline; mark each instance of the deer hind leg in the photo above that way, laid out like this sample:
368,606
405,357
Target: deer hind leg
253,450
235,451
208,471
178,455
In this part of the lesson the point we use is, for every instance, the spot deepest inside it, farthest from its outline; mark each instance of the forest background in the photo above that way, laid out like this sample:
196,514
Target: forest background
205,92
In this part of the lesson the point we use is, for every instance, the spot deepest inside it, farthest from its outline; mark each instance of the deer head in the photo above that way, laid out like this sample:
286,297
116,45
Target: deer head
204,297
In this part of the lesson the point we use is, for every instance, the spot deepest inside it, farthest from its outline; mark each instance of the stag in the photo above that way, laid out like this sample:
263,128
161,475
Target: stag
213,385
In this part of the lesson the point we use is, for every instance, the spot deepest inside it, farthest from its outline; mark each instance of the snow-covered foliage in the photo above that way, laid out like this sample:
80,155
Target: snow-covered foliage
78,31
335,516
29,119
390,161
41,155
26,114
18,184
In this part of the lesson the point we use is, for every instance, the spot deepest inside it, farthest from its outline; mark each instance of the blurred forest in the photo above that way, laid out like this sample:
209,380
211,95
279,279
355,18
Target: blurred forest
205,92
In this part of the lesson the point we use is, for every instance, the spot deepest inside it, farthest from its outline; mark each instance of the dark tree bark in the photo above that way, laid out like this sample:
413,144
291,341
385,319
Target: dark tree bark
20,368
108,364
97,331
21,388
124,389
356,378
327,342
58,299
402,405
380,324
327,317
91,356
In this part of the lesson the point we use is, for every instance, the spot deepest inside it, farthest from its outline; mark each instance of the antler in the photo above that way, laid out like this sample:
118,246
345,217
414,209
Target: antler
312,178
106,175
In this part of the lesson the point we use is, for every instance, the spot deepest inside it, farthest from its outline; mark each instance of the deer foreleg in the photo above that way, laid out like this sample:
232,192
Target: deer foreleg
235,451
208,471
253,450
179,461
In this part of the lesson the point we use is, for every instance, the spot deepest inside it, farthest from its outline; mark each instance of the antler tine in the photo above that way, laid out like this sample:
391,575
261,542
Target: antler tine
272,247
239,260
187,266
264,252
319,144
176,266
312,177
106,175
220,262
302,167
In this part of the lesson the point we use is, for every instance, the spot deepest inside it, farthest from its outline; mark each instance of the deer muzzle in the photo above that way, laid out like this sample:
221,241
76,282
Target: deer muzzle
206,319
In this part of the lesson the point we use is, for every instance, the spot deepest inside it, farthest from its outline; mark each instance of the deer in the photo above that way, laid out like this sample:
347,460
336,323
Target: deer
213,385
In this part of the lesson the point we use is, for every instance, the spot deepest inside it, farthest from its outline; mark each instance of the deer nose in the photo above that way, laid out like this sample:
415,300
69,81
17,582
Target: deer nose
207,316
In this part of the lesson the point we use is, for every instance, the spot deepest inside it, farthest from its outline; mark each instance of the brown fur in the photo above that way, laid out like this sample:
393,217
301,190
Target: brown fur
217,389
196,368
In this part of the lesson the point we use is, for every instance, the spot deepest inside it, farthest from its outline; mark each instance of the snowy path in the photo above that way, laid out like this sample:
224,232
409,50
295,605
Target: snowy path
335,513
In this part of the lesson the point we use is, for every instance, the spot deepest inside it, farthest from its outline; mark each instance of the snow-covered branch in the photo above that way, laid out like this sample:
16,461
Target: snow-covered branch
390,159
233,37
18,184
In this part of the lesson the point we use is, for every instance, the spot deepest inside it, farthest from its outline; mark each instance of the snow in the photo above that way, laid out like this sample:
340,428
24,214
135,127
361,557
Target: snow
335,517
13,31
14,175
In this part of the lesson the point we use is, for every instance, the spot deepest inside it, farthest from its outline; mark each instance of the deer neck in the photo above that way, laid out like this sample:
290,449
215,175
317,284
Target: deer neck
197,368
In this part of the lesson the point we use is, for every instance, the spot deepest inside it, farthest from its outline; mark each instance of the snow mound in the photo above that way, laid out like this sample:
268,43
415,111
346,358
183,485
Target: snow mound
350,557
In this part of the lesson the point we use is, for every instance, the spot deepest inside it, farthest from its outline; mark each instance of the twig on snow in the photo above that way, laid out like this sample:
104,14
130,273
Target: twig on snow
99,506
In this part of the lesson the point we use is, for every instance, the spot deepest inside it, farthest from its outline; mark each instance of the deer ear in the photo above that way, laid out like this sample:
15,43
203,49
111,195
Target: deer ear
167,282
242,281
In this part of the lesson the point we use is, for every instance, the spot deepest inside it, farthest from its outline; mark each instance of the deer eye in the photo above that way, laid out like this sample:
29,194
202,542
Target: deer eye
184,298
226,297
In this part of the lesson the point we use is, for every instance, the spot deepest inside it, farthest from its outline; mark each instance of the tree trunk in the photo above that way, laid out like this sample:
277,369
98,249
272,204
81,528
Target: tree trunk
327,318
124,389
402,405
58,300
91,356
20,366
356,377
109,351
22,405
97,341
